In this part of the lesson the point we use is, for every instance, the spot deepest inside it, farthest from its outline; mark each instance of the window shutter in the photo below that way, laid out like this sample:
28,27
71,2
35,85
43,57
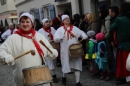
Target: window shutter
52,11
42,12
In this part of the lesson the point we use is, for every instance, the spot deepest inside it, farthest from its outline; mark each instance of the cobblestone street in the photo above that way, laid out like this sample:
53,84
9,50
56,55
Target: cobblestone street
6,78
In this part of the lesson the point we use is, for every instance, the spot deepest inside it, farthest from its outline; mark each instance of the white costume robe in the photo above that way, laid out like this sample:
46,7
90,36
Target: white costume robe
16,45
7,33
50,62
67,64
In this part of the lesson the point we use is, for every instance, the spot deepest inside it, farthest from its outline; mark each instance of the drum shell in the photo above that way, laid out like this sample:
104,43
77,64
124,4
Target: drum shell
37,75
77,52
55,45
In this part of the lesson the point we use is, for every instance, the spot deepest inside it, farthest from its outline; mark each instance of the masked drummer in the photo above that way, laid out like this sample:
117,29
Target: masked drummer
25,39
68,35
48,32
9,32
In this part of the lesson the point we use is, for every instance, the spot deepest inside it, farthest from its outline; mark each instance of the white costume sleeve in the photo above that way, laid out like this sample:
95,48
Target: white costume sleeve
6,51
40,31
59,35
5,35
53,30
81,33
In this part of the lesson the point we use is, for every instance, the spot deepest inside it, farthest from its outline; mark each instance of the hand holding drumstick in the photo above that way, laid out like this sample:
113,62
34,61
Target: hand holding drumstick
30,51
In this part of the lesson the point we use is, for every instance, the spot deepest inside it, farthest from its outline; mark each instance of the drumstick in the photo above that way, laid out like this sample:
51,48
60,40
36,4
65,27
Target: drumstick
80,41
30,51
44,60
45,46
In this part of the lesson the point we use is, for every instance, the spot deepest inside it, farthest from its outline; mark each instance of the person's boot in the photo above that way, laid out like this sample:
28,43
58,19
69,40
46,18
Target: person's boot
107,76
64,80
103,76
78,84
55,80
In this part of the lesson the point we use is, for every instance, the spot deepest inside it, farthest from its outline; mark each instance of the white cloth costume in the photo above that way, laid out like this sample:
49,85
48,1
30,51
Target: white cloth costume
67,64
50,62
7,33
16,45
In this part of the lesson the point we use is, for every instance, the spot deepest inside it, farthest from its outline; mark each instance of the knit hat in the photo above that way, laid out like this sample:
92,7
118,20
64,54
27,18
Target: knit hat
91,33
44,20
102,7
64,16
28,15
100,37
10,24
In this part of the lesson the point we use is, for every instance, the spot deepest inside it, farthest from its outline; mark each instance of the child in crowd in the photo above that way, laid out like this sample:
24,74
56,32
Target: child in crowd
91,51
102,59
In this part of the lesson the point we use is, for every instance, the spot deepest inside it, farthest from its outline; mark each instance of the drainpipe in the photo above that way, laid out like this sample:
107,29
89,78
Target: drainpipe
80,7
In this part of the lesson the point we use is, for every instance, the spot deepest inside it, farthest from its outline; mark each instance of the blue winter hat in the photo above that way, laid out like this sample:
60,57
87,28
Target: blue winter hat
102,7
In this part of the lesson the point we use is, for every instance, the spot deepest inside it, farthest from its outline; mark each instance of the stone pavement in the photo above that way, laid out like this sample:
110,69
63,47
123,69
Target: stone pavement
6,78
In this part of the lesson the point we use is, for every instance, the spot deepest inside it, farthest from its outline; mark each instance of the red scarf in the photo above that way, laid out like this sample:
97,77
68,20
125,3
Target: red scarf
33,32
11,31
48,31
69,33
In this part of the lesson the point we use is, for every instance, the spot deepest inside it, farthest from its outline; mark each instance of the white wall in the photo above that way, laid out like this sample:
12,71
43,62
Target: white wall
11,5
3,8
19,1
86,6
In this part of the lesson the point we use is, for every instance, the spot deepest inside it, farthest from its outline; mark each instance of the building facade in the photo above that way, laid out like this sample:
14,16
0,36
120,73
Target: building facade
51,8
8,12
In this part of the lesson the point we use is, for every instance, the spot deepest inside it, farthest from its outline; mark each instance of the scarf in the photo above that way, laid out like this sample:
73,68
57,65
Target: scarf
33,32
69,33
48,31
11,31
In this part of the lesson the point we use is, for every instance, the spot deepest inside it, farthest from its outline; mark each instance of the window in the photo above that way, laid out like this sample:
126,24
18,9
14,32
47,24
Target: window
46,12
42,12
3,2
32,12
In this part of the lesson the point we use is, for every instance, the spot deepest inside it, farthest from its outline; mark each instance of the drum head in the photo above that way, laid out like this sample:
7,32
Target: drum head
75,46
34,67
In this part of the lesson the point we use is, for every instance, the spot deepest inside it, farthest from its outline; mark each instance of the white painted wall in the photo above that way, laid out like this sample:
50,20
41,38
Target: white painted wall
10,5
86,6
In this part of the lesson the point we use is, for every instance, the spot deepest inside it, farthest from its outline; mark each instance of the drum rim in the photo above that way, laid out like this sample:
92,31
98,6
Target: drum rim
74,44
34,67
38,83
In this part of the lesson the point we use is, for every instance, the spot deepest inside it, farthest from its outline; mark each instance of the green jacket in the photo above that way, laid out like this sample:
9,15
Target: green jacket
122,27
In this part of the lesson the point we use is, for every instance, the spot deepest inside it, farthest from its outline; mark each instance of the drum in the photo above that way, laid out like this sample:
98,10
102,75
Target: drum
37,76
55,45
75,50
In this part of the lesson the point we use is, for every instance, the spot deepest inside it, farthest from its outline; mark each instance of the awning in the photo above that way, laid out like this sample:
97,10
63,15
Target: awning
12,17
